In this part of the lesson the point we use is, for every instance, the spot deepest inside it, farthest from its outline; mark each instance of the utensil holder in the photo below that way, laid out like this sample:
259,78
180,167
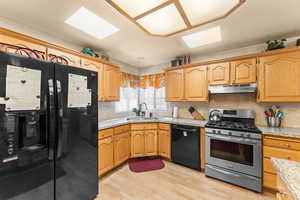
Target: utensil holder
274,121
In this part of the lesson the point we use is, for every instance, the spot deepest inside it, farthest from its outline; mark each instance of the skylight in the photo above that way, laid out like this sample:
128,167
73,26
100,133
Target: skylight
202,38
163,18
90,23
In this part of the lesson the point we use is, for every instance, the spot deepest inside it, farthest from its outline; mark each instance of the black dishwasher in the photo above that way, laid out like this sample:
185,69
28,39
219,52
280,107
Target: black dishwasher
186,146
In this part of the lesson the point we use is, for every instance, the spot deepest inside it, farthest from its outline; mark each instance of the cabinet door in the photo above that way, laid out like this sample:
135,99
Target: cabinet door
137,144
164,144
22,47
174,85
121,148
243,71
65,58
90,65
106,155
150,142
195,84
279,78
111,83
219,74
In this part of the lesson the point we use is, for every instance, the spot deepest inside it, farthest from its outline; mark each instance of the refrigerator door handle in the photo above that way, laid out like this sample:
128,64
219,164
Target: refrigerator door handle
51,119
60,130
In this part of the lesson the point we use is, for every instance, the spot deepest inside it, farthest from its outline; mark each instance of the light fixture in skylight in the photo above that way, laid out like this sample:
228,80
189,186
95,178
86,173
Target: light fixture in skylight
90,23
163,21
202,38
137,7
202,11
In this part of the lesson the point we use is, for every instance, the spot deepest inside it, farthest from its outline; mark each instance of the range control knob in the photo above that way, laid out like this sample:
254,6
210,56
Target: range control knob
214,131
229,133
248,135
219,132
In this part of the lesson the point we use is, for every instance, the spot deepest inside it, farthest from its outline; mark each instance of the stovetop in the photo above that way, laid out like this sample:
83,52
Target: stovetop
233,125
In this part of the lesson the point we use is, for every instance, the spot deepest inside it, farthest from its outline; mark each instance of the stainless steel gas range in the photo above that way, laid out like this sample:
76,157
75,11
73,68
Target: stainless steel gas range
234,148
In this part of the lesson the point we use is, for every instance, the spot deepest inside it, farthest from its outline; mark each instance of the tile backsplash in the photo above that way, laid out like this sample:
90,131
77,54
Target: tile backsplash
241,101
230,101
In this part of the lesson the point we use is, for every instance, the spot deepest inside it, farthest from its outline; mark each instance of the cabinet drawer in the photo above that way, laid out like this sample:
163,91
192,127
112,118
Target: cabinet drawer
268,167
282,143
281,153
150,126
137,126
270,181
147,126
105,133
121,129
163,126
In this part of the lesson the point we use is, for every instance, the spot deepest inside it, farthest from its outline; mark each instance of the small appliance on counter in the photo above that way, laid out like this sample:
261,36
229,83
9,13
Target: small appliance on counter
233,151
175,112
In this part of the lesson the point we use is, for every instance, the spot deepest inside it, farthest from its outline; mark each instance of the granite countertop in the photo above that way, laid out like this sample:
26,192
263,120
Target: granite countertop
285,132
123,121
289,172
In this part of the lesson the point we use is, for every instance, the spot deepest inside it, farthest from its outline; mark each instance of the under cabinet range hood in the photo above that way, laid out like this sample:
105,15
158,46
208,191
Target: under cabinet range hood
231,89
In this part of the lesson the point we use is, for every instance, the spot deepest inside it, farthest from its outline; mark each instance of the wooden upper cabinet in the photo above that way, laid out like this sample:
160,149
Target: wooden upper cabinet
219,74
174,85
111,83
90,65
243,71
65,58
195,84
279,78
22,47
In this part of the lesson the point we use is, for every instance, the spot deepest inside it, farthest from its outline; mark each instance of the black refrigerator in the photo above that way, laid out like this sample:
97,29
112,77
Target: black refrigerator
48,130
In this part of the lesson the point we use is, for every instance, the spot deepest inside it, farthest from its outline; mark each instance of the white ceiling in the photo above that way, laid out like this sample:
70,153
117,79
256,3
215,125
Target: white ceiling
254,22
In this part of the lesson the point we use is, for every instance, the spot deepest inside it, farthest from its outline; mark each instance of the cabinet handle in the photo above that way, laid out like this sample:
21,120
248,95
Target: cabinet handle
288,145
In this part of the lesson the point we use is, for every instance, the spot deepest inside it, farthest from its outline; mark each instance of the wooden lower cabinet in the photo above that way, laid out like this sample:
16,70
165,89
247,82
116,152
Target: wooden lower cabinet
137,144
150,143
277,147
164,144
106,154
121,148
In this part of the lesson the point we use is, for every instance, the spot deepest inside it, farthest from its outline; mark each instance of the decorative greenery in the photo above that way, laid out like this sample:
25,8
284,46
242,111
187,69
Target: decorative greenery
90,52
275,44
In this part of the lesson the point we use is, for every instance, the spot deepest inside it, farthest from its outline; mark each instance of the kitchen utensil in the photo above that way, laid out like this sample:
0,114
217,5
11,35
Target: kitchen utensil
215,115
196,115
274,122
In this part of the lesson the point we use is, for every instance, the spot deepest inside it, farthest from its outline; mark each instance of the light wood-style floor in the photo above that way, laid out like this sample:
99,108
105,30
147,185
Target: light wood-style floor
174,182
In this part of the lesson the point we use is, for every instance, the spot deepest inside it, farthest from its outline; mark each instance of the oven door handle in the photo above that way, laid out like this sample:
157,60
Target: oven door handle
233,139
223,171
229,173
